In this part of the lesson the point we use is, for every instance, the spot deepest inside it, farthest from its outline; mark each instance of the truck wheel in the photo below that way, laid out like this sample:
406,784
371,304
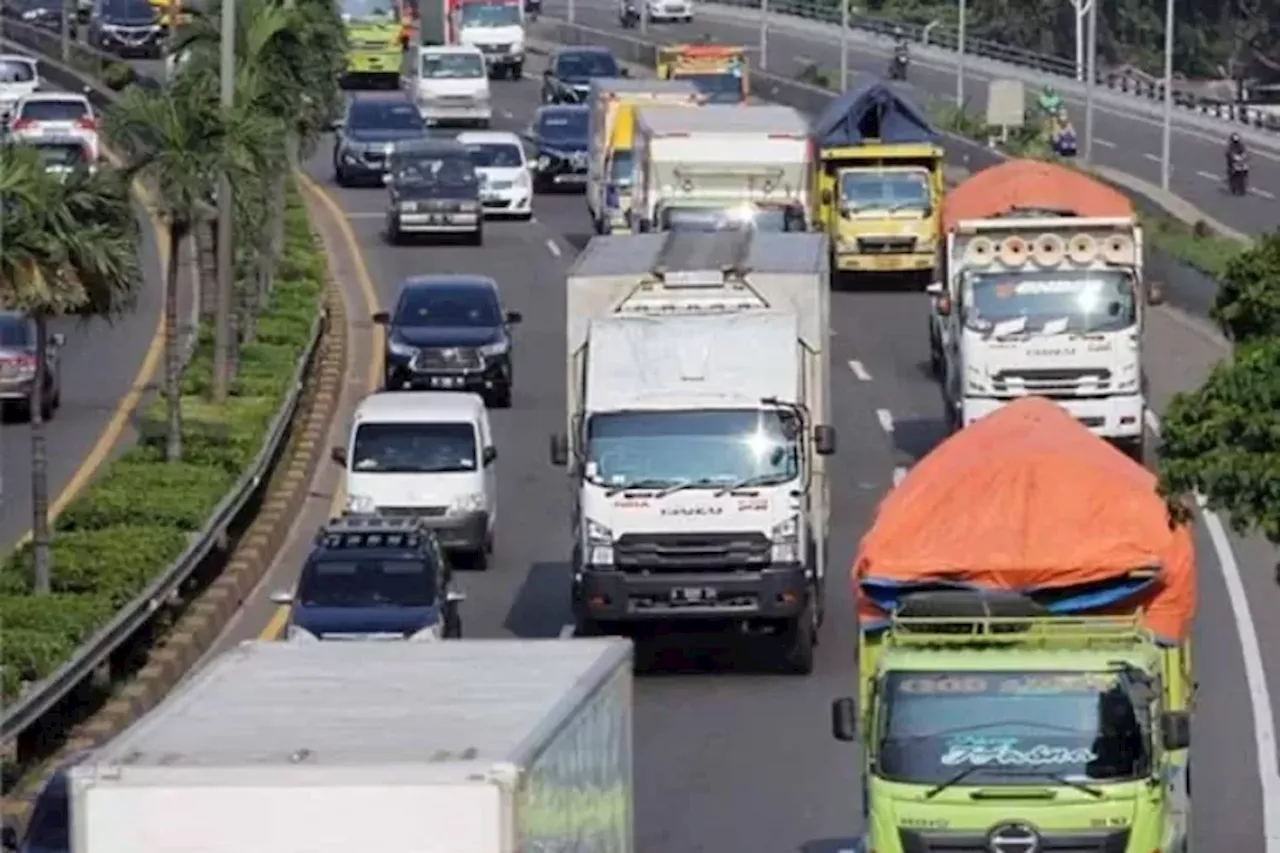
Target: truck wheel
517,71
1134,448
453,625
799,638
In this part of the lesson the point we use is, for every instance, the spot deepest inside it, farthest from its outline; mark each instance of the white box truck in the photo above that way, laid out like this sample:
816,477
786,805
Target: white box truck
697,377
719,166
483,746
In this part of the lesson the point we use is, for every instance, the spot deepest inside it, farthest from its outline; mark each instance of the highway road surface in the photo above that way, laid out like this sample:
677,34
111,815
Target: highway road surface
729,758
1126,135
102,378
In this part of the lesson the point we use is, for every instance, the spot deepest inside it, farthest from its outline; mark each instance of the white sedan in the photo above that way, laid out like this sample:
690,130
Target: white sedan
506,188
19,77
56,114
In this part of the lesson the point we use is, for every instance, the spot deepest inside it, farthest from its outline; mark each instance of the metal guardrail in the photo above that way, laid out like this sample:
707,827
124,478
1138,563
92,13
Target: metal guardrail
34,702
936,35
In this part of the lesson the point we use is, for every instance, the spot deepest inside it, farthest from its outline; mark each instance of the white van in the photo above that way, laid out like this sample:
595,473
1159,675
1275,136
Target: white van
429,454
449,84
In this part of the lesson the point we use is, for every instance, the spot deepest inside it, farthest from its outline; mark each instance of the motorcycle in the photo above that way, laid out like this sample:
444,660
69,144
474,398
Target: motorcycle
629,15
532,9
1064,142
898,65
1238,174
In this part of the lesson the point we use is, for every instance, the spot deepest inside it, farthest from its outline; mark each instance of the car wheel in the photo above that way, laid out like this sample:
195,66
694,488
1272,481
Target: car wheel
340,176
394,237
501,397
476,238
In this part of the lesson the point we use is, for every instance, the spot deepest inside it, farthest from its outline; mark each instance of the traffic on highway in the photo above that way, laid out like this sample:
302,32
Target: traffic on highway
849,436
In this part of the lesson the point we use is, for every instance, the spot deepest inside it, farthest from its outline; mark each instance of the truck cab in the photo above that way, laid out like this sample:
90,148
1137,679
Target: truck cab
496,29
375,45
720,72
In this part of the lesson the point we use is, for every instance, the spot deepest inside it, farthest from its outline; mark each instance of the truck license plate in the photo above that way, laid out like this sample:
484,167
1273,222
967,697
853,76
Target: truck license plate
693,595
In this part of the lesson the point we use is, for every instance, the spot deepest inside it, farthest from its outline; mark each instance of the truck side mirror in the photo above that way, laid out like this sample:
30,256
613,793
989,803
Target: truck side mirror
8,838
941,299
844,720
381,318
1155,294
625,72
828,197
490,454
824,439
559,450
1175,730
339,455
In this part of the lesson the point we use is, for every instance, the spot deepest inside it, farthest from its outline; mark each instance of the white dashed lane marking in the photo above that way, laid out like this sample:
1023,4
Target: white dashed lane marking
552,247
885,417
859,371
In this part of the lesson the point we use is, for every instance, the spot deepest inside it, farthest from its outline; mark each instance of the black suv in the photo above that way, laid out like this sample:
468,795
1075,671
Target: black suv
128,28
368,132
449,333
567,78
435,191
374,577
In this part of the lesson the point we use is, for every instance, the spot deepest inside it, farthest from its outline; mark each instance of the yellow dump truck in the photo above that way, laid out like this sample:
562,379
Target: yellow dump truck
719,71
611,171
879,187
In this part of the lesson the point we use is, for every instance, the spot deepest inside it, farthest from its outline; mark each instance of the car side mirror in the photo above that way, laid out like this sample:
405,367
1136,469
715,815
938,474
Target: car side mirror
337,124
941,299
559,450
1175,730
339,455
58,340
514,318
453,596
625,72
824,440
490,454
844,720
382,318
282,597
1155,294
828,197
547,73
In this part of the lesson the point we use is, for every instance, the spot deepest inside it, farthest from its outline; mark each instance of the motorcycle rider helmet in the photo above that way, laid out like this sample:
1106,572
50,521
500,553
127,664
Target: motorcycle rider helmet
1234,139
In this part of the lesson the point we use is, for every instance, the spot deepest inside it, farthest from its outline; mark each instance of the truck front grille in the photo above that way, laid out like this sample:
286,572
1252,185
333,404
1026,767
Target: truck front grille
683,552
886,245
1082,382
413,511
959,842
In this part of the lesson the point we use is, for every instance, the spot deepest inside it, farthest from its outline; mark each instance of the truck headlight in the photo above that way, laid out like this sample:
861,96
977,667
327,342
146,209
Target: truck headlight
471,502
599,550
300,635
361,504
1128,380
786,541
974,381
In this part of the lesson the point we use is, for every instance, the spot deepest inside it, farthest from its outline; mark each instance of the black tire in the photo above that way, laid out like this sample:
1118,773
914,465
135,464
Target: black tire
1134,448
452,624
798,640
394,237
517,71
476,238
500,398
340,177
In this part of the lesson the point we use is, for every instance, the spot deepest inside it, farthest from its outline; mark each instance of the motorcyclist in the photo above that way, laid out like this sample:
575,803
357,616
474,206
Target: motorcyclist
1237,165
901,54
1235,150
1050,101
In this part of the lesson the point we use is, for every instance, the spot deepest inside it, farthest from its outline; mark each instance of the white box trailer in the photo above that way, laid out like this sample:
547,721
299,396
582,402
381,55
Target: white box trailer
722,160
698,402
480,746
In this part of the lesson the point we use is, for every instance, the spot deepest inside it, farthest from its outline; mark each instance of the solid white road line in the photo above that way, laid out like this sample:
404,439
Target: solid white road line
1255,673
552,247
1208,176
886,419
899,474
859,371
1261,193
566,631
1153,158
1105,143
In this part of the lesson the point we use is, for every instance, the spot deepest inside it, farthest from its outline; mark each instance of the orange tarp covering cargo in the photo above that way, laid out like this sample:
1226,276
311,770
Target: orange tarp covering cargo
1031,184
1028,500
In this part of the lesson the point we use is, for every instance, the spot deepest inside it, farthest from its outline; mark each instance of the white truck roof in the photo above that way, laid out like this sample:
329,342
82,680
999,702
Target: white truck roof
449,710
729,359
630,85
723,119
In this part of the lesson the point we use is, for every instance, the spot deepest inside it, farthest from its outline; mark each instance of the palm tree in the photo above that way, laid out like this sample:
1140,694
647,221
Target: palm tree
70,248
173,138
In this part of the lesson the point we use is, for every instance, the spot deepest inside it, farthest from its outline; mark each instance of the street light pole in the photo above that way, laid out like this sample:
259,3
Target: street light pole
764,35
64,37
960,36
844,45
1091,77
1166,130
1083,8
226,254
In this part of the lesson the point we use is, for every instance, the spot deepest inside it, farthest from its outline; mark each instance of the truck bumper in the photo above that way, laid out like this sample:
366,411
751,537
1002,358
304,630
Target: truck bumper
780,592
853,262
374,63
1118,418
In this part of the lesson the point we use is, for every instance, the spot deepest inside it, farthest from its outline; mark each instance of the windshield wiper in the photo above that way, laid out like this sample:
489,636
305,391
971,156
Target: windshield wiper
954,780
638,484
747,483
1057,777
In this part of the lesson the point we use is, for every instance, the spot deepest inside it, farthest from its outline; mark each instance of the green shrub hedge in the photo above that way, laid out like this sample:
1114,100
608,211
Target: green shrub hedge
141,513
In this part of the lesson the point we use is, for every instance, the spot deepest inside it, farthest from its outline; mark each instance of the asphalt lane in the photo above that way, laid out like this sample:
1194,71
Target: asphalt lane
99,365
1129,140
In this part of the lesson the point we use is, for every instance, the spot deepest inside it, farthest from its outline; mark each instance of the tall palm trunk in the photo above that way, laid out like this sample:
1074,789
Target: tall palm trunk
40,465
172,350
206,240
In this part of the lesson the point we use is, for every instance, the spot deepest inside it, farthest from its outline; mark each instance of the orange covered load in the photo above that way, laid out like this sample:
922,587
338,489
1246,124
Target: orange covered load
1031,185
1028,500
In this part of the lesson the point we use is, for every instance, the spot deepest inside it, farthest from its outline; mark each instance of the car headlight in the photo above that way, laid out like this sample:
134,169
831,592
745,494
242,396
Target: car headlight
599,550
407,206
362,504
300,635
429,634
543,161
522,181
349,156
496,348
469,206
786,541
472,502
400,348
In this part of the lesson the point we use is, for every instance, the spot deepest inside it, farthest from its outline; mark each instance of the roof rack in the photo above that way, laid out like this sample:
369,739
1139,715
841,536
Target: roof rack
363,524
1074,632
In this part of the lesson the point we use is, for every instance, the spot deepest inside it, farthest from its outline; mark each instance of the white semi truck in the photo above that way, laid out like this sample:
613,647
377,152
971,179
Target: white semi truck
698,406
719,167
484,746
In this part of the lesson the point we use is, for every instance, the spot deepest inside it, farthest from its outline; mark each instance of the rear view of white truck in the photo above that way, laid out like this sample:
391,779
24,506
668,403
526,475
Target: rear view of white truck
487,746
697,379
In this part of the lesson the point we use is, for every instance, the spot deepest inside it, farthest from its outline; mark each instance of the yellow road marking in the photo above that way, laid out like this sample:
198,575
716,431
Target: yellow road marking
128,404
276,624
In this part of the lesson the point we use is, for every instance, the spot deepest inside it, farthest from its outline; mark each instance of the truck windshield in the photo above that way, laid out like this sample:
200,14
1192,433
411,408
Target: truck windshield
489,14
709,448
366,9
408,448
722,87
1007,727
622,169
866,191
1046,303
736,218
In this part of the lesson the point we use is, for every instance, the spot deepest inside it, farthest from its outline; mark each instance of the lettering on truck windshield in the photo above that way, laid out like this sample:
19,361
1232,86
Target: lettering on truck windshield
1000,728
1053,302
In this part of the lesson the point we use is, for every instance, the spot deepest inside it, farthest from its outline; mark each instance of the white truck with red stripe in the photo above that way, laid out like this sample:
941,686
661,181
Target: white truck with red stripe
720,167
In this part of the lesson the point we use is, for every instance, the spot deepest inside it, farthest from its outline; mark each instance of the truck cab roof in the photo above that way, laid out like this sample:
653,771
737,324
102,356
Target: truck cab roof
724,119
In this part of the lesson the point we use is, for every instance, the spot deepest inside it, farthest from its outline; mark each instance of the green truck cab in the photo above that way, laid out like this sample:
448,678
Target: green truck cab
375,41
1025,672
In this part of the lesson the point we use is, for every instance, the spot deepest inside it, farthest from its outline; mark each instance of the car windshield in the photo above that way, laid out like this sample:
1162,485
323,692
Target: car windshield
355,9
449,170
414,448
385,115
475,307
563,125
368,583
581,66
1049,303
865,191
14,331
723,87
1006,727
489,14
43,110
496,155
16,71
452,66
622,169
129,9
709,448
737,218
61,154
50,825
